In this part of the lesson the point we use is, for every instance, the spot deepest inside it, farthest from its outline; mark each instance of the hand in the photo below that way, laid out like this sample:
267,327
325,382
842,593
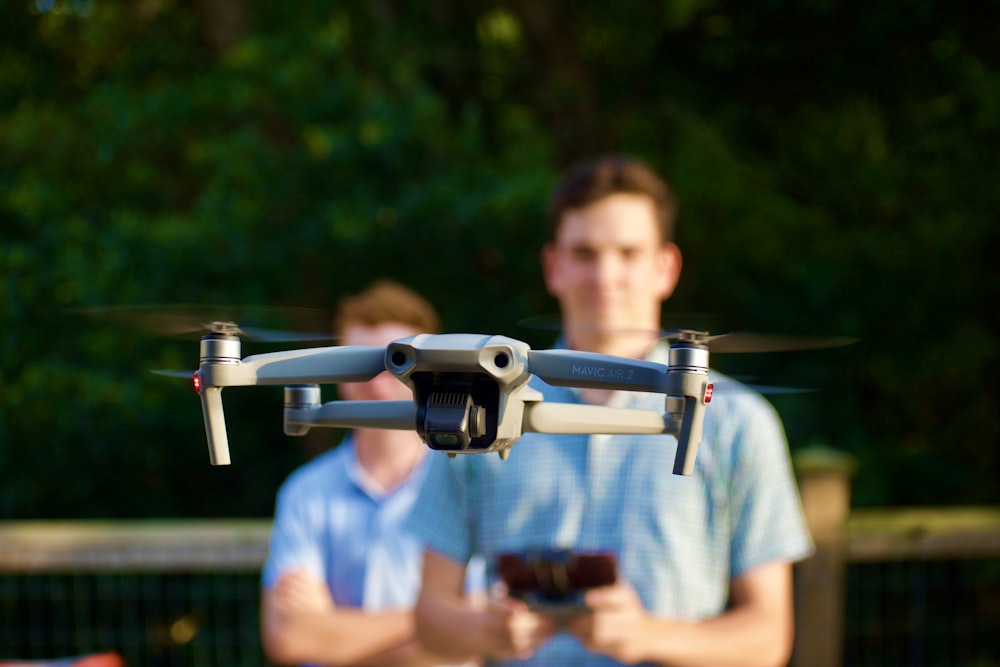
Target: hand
299,591
511,630
615,623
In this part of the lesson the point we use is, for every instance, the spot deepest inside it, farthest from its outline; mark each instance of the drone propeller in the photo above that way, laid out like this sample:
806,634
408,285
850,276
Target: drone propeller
771,390
184,375
195,320
750,342
556,324
725,343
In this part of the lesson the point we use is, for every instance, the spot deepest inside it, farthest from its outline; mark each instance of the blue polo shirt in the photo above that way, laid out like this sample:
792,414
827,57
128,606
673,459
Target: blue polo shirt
679,540
329,523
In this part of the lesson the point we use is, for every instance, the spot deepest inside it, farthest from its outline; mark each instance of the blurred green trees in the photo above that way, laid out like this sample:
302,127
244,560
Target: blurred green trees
834,165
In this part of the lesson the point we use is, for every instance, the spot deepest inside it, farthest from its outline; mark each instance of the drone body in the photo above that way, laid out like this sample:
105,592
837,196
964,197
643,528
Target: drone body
471,392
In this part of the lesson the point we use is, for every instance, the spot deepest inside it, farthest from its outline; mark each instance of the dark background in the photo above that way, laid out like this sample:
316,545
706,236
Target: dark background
836,164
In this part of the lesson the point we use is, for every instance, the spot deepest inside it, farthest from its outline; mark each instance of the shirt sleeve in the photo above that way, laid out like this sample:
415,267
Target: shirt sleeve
766,511
441,517
294,541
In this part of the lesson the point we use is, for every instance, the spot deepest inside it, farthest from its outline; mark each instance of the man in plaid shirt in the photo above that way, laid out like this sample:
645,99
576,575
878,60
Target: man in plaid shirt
704,562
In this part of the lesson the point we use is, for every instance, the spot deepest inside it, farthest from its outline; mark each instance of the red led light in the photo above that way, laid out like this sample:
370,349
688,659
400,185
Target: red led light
196,381
708,392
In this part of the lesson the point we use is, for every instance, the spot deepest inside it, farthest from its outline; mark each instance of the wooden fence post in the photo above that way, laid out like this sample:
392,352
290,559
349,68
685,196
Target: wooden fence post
824,477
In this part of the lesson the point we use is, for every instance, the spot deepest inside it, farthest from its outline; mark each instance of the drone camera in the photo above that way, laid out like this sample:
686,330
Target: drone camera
453,411
451,420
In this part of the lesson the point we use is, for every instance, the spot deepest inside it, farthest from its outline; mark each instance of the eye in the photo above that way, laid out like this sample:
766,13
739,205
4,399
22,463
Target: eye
582,253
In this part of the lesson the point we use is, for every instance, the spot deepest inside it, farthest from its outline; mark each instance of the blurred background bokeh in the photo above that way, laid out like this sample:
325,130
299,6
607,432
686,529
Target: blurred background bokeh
836,164
837,168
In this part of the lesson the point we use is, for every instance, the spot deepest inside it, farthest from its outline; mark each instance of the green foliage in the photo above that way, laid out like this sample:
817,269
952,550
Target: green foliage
283,171
832,162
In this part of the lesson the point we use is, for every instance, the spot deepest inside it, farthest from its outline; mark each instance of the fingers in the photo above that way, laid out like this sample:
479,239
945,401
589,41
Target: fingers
526,633
514,630
615,619
620,595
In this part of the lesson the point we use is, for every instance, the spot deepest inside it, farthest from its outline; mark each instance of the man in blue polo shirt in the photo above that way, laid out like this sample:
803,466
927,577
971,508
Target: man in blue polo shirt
343,572
704,562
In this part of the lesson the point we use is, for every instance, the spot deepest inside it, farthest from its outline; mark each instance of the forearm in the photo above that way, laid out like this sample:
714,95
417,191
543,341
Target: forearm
743,637
337,637
411,653
756,631
449,626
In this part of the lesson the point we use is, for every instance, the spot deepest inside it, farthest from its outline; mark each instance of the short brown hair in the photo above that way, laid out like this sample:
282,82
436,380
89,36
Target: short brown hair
386,301
587,182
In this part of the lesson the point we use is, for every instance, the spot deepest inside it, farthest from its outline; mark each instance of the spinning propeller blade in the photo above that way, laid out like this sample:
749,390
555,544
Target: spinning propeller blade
267,324
749,342
723,385
554,323
726,343
185,375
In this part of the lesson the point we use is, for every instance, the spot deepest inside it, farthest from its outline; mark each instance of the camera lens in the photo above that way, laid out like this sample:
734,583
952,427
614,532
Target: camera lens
445,440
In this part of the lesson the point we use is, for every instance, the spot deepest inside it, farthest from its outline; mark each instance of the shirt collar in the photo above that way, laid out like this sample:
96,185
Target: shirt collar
362,480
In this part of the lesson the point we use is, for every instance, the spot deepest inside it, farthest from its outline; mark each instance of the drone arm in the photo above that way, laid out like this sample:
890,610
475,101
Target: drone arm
353,363
215,425
572,368
396,415
568,418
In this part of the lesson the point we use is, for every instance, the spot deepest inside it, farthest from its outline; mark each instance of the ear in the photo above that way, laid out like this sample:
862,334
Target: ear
550,269
671,260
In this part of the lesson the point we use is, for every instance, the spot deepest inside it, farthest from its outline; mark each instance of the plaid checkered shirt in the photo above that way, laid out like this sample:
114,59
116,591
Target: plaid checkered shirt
679,540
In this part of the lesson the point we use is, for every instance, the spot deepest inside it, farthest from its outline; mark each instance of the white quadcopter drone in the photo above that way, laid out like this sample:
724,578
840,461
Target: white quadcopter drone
470,392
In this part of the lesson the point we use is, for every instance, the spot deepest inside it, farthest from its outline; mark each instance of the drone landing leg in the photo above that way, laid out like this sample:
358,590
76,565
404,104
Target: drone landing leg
690,435
215,425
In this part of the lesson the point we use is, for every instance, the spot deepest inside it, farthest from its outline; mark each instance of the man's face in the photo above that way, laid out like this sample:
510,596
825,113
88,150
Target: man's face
384,386
609,268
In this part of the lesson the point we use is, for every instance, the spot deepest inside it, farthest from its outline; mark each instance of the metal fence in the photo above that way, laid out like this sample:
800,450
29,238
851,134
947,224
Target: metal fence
151,619
893,586
936,613
160,593
923,613
902,588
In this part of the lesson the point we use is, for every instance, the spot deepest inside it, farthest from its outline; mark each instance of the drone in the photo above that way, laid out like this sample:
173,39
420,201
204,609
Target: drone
471,392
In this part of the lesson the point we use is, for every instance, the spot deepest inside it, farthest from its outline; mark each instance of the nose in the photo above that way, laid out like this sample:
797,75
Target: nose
605,269
385,385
